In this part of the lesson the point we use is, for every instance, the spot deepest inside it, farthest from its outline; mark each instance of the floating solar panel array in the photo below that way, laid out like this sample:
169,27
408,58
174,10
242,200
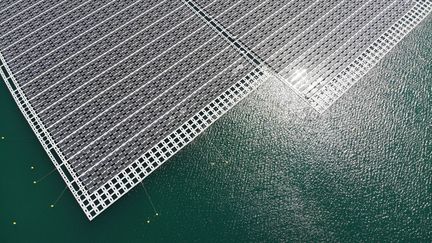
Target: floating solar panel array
113,88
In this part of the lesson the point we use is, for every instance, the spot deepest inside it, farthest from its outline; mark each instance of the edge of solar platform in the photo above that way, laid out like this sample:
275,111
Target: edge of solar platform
129,177
72,182
93,204
327,95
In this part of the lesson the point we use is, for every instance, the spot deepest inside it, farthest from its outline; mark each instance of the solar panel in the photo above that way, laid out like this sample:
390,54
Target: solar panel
310,44
119,80
113,89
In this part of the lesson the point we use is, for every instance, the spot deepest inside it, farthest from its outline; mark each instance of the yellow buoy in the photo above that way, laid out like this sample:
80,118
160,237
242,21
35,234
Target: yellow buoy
34,182
14,222
52,205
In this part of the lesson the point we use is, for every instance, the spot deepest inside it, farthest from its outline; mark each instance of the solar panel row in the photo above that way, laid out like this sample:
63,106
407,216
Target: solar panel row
308,42
114,88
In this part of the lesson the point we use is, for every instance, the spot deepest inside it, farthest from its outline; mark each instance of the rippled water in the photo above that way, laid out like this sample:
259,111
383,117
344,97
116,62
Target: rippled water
270,170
